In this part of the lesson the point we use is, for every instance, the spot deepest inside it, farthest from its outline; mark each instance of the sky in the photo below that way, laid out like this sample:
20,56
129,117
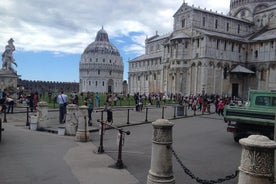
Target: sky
50,35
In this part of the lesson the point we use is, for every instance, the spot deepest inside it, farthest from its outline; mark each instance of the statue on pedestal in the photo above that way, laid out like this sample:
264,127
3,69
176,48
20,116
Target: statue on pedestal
7,57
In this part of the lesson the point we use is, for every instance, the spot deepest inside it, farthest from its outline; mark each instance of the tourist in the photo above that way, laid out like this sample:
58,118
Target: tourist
36,99
10,104
220,107
62,100
109,113
97,98
90,104
30,100
157,101
115,100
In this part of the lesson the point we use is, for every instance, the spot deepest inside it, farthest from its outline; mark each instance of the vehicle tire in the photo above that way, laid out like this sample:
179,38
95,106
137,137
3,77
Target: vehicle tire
236,138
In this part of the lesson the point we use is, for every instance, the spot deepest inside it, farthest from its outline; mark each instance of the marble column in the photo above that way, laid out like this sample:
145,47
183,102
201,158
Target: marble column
161,170
72,117
82,132
257,160
42,114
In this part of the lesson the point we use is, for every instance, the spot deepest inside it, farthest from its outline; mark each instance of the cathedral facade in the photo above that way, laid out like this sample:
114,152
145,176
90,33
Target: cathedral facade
209,52
101,67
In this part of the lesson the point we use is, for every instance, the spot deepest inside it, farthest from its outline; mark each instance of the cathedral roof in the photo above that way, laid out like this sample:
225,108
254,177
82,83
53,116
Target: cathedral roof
267,35
222,35
147,56
179,35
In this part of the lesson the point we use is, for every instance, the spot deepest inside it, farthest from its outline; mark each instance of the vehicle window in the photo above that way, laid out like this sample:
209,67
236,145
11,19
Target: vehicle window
263,100
273,101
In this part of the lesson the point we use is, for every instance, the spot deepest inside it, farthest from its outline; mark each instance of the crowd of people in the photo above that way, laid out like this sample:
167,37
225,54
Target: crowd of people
200,102
8,102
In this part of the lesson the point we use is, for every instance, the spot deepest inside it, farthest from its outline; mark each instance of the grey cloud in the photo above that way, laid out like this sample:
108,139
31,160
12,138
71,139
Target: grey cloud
62,25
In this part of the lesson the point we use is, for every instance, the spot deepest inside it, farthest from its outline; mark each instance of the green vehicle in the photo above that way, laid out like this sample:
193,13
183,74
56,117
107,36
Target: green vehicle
256,117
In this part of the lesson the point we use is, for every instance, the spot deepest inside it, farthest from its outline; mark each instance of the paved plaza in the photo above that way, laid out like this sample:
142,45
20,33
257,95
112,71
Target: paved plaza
45,157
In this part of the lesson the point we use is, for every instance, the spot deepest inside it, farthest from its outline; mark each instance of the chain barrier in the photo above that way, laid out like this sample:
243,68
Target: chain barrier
189,173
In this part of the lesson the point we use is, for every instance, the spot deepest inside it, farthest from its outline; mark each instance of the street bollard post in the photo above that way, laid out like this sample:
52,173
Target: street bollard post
128,115
42,114
174,112
275,150
101,148
102,112
1,129
146,120
27,121
71,123
119,164
163,107
81,134
5,115
256,160
161,154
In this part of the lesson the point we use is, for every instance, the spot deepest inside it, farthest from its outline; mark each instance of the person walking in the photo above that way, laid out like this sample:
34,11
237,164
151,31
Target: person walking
97,97
220,107
90,105
36,100
62,100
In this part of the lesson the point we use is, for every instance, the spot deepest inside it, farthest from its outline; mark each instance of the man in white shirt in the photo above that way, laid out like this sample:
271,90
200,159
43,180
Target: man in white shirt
62,100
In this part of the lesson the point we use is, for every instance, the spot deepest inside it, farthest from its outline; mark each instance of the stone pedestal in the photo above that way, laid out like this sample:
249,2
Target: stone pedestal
8,80
257,160
82,132
42,114
72,117
161,156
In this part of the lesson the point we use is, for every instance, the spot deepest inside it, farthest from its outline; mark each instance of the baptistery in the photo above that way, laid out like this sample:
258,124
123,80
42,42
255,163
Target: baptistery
101,66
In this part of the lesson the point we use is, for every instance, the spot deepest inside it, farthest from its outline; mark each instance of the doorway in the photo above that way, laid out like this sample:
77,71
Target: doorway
110,86
235,89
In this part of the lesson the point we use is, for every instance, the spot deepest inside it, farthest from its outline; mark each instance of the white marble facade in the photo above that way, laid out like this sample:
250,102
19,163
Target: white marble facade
101,66
205,47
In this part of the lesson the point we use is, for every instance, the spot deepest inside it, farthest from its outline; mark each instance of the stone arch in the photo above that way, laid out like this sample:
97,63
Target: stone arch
219,65
261,67
260,7
199,64
242,9
211,63
272,66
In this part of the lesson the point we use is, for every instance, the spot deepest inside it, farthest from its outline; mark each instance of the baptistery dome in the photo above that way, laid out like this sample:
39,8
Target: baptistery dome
101,66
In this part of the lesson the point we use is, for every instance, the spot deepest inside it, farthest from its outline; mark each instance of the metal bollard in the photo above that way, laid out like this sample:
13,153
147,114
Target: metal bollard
1,129
127,116
257,160
27,121
161,156
146,120
101,148
5,115
163,112
119,164
174,112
